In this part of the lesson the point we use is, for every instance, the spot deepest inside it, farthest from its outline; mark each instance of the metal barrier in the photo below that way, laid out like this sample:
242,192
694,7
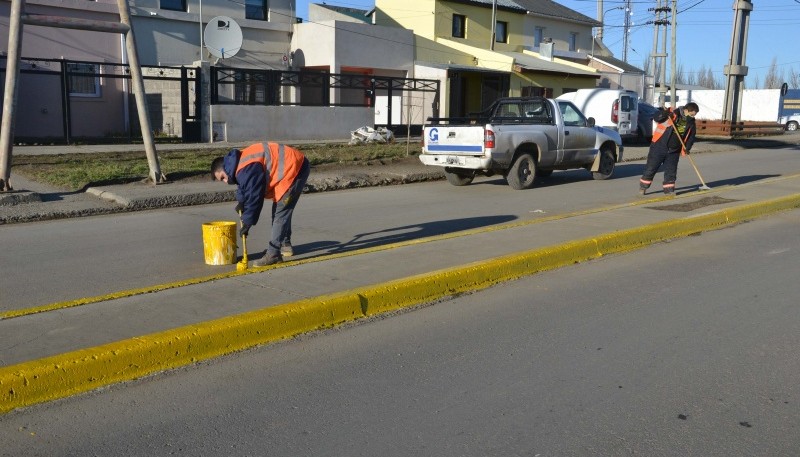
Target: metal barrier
737,129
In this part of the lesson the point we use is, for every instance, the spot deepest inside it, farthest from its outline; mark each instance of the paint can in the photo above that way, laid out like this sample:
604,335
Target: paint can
219,242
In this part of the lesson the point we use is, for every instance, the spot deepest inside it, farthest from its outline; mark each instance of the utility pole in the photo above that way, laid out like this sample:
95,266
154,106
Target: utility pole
673,98
626,27
660,58
736,69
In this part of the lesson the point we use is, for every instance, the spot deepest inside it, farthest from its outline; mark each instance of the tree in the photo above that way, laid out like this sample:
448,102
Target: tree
774,77
793,79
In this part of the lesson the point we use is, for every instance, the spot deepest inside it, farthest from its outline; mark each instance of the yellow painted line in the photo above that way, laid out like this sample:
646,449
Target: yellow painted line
71,373
251,269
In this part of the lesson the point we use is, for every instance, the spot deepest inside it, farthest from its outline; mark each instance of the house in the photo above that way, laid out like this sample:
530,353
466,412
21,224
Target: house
484,49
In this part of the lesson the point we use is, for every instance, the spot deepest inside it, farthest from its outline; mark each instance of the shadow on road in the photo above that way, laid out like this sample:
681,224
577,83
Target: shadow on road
400,234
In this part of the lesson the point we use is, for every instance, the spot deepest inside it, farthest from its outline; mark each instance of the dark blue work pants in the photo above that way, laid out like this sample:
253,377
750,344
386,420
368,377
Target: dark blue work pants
283,209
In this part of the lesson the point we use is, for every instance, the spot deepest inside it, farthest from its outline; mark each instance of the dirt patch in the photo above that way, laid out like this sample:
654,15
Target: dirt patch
685,207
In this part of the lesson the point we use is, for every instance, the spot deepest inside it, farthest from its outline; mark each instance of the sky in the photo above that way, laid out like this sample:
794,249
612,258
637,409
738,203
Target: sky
703,37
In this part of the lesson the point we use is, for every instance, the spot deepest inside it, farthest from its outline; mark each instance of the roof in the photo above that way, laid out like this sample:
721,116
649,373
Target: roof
549,8
511,5
352,12
530,62
621,64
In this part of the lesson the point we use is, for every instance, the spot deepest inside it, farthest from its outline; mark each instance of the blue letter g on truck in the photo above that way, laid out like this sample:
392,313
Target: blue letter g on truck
433,135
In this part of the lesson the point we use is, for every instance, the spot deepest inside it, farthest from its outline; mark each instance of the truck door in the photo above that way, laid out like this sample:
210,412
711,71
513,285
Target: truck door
626,111
578,142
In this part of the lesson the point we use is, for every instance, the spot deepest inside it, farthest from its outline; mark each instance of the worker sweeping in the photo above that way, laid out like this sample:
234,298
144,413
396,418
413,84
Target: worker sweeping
669,145
266,171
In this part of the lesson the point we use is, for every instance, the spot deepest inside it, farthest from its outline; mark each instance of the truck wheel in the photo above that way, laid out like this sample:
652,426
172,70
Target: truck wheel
459,178
522,173
607,163
791,126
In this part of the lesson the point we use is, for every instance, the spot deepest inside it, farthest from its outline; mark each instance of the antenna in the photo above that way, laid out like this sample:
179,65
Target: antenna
223,37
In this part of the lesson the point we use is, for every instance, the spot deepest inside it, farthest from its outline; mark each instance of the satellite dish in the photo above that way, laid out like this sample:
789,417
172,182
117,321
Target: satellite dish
223,37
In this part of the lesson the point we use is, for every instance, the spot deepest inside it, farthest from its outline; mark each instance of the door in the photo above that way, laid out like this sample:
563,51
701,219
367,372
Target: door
627,112
578,144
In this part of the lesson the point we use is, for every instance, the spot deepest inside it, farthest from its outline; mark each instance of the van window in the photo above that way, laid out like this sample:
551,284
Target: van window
626,104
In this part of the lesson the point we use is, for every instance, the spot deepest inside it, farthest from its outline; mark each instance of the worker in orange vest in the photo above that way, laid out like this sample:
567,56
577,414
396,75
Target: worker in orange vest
266,171
666,148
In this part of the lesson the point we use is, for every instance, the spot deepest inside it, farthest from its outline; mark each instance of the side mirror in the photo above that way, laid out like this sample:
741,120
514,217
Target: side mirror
590,122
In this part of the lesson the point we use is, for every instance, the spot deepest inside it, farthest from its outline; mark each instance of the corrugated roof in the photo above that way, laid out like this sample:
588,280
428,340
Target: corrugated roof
537,64
505,4
555,10
621,64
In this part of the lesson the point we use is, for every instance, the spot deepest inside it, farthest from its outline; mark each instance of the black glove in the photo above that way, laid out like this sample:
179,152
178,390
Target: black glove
239,207
244,230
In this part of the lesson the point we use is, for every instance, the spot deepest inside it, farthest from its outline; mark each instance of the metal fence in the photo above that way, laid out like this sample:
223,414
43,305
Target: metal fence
69,101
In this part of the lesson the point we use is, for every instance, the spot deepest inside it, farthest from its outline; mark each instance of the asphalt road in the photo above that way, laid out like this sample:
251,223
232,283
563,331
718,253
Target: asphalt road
682,348
68,259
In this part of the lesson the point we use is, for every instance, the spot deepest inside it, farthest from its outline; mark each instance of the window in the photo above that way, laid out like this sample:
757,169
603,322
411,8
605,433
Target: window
83,85
173,5
501,32
572,117
573,41
538,36
256,9
459,26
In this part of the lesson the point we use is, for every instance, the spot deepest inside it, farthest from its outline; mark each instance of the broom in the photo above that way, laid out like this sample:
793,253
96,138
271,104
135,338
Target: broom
683,145
242,265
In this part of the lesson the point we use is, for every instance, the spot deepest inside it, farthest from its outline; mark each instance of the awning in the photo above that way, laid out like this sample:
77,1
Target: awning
531,63
459,67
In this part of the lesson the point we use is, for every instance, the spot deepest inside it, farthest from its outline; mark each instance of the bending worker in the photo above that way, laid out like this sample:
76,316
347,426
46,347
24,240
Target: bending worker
266,171
667,147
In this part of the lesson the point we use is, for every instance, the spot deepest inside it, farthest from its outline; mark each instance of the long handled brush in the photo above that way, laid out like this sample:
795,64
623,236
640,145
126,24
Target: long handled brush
242,265
691,160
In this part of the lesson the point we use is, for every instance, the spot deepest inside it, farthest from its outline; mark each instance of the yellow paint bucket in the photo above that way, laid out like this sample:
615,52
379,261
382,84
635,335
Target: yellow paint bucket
219,242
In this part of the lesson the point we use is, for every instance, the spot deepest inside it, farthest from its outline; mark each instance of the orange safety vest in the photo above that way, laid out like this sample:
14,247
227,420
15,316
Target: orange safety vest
282,165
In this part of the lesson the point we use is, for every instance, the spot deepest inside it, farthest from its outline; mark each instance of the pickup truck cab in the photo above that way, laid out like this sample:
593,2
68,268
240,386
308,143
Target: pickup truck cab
521,138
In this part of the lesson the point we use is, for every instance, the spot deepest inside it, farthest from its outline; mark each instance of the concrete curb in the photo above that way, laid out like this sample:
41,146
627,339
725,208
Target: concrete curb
80,371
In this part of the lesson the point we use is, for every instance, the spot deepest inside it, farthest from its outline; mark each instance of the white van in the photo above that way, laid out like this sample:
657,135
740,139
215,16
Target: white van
615,109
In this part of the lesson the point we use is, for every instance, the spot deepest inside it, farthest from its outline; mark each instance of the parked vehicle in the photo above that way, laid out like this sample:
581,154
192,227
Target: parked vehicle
616,109
645,124
790,122
521,138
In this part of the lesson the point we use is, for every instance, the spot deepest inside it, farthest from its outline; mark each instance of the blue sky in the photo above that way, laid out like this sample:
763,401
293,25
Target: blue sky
704,32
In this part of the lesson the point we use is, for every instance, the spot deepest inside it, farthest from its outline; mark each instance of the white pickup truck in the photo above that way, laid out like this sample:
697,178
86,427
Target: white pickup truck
521,138
790,122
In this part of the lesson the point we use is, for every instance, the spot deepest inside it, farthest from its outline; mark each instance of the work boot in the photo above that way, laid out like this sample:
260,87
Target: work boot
286,249
669,193
268,260
642,191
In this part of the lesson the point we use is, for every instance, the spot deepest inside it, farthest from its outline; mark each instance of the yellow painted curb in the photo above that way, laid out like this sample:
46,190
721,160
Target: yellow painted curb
79,371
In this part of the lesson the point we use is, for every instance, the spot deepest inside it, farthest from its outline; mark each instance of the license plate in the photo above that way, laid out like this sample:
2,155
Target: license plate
454,160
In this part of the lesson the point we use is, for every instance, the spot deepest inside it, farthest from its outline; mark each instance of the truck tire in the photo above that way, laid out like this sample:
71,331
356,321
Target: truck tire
460,178
522,173
791,126
607,164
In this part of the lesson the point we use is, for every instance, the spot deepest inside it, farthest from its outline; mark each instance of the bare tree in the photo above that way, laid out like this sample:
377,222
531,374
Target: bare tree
774,77
793,79
680,75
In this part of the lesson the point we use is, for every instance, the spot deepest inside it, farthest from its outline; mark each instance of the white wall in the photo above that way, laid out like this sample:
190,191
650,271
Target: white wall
757,104
282,123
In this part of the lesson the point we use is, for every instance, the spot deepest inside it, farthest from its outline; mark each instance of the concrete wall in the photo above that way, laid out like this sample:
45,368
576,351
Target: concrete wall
167,37
757,104
283,123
